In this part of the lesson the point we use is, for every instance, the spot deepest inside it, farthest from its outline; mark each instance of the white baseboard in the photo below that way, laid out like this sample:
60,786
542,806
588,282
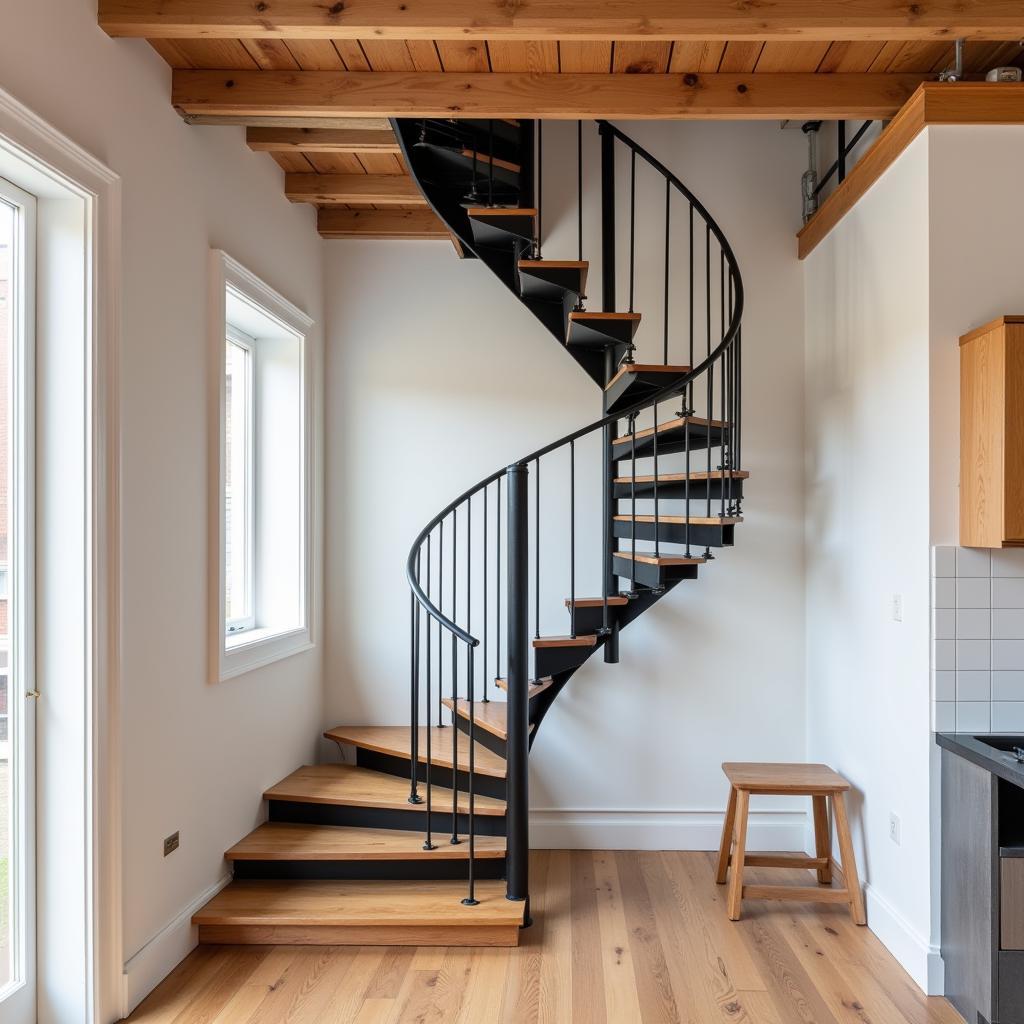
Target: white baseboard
586,829
918,957
163,952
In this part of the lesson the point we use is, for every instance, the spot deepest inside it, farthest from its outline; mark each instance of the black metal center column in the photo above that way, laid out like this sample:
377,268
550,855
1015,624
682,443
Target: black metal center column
518,746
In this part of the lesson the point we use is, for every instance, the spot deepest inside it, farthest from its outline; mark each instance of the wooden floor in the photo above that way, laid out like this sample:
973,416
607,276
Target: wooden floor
620,938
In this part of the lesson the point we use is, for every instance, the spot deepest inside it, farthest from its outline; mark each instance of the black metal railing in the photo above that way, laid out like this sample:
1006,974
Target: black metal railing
453,568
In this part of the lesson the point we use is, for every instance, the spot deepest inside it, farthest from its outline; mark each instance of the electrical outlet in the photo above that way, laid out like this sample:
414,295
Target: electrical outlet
894,828
171,843
897,607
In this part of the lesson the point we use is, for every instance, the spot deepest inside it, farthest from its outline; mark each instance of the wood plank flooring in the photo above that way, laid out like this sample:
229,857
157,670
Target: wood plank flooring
620,938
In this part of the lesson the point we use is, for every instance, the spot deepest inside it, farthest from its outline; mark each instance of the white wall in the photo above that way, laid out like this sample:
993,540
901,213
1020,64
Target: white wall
866,289
436,376
196,755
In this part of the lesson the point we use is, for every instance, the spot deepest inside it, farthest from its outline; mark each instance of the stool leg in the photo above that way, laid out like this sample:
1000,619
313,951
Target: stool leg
727,826
822,839
849,861
739,855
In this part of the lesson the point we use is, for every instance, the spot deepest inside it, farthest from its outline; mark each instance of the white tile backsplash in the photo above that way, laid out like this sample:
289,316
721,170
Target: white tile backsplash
973,593
973,562
1006,593
1007,624
977,619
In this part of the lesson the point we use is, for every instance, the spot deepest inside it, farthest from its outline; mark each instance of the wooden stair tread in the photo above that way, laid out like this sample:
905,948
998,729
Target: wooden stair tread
282,841
676,424
649,558
670,478
349,785
492,716
500,211
395,740
356,903
627,368
682,520
614,601
486,158
537,686
583,640
583,314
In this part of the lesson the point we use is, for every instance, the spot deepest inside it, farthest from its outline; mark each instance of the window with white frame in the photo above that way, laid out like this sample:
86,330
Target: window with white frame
264,468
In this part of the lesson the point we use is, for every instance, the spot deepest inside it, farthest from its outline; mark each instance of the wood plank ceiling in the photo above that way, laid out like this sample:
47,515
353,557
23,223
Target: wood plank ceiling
339,155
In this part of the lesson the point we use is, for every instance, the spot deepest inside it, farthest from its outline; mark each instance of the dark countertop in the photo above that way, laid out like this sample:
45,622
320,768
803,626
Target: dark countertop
971,746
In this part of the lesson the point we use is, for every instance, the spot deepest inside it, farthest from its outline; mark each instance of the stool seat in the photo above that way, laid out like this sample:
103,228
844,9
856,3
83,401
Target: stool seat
823,786
784,778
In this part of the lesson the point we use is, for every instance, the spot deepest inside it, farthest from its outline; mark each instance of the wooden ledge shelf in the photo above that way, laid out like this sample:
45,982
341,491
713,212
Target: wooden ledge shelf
931,103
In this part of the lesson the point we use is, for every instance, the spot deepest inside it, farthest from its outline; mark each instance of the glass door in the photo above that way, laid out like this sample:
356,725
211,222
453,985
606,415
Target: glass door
18,697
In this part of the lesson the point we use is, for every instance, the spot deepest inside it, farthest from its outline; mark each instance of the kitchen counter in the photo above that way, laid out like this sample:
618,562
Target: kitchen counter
971,746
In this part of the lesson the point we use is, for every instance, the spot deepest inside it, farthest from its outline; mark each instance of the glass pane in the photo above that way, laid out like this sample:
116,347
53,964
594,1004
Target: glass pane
8,734
238,488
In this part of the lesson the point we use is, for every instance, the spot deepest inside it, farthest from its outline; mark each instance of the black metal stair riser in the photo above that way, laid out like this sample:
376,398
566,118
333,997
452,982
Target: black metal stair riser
554,315
670,442
493,743
648,575
371,870
675,533
485,785
635,387
550,661
414,819
676,491
551,284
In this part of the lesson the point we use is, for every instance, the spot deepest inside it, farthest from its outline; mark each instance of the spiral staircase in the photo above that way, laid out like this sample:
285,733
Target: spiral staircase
423,837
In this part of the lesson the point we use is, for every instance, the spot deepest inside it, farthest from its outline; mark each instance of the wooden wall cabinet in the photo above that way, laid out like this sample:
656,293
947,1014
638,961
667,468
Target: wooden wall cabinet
992,435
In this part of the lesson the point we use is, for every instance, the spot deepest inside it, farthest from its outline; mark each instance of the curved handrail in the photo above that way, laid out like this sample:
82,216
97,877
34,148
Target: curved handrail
677,387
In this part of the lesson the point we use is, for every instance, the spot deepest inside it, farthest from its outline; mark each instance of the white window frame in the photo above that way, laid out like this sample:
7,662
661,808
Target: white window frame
241,624
238,653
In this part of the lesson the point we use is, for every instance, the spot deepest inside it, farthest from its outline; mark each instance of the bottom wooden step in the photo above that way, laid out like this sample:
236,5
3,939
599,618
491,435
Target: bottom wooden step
400,913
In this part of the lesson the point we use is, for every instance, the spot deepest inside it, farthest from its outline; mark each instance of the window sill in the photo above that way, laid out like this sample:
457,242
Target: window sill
255,648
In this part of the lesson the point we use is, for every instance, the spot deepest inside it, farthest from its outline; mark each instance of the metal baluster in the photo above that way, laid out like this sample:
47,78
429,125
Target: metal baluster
440,635
723,453
455,683
490,160
469,577
572,536
711,367
686,482
540,187
536,551
428,844
668,221
711,406
657,528
731,414
470,900
497,588
632,229
486,621
689,401
579,191
414,687
632,493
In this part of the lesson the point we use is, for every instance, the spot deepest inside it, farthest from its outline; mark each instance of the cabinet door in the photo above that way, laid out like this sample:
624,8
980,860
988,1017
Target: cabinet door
1011,903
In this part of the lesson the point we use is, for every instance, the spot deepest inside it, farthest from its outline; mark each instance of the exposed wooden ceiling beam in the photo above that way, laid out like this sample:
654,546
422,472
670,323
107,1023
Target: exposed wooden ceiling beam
320,140
379,124
563,19
440,94
380,189
380,224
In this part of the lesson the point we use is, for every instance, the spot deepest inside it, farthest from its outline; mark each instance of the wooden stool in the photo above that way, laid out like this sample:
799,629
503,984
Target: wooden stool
817,781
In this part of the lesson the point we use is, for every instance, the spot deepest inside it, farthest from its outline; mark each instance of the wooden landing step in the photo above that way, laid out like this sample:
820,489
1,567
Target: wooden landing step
395,740
650,558
537,686
614,601
379,913
286,842
583,640
492,716
682,521
348,785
